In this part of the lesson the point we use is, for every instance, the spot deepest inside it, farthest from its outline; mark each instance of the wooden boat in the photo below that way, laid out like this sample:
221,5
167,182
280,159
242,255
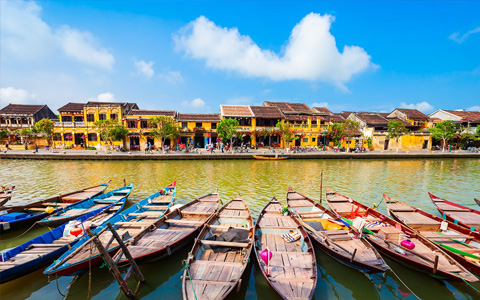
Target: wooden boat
334,238
460,242
269,157
80,208
465,216
292,270
18,216
78,258
6,195
477,201
171,232
42,250
212,273
389,236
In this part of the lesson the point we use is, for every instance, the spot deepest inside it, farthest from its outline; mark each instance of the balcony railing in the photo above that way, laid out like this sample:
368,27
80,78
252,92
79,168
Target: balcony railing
69,124
244,128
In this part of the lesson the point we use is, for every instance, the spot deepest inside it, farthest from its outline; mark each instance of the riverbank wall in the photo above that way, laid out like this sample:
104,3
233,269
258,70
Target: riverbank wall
66,155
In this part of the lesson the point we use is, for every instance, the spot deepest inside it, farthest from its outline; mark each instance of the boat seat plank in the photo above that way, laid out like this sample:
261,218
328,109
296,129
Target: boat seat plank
78,196
55,204
186,222
416,218
224,244
335,232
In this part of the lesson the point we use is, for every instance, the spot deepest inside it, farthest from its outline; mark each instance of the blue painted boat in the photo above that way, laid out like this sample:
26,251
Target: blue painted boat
42,250
80,208
134,219
12,218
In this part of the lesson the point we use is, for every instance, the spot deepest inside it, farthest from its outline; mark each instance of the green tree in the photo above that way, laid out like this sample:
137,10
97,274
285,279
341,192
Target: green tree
477,133
118,133
443,131
350,129
3,135
104,129
164,128
396,130
45,127
336,133
287,133
227,130
27,134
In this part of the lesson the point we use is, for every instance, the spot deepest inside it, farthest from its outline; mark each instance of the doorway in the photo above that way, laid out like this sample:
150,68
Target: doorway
134,143
425,145
386,144
78,139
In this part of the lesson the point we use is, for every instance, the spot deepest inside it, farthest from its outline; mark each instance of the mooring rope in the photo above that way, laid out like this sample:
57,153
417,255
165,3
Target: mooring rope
20,234
187,267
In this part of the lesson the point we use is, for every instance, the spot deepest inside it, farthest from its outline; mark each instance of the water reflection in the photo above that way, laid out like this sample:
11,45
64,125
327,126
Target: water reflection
257,182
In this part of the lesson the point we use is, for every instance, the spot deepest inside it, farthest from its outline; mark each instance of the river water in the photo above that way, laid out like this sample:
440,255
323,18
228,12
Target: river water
257,182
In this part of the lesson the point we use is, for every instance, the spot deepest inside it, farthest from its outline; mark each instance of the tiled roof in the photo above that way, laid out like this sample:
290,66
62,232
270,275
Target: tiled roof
22,109
289,106
144,112
267,112
345,114
337,118
71,107
323,110
412,113
373,118
198,117
236,111
472,116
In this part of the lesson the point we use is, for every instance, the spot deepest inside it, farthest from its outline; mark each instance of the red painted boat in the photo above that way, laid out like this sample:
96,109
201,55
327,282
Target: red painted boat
460,242
459,214
387,235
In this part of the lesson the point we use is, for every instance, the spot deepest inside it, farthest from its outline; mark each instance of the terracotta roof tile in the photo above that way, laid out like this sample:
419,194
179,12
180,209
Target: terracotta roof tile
24,109
289,106
267,112
345,114
472,116
323,110
72,107
337,118
236,111
145,112
412,113
373,118
198,117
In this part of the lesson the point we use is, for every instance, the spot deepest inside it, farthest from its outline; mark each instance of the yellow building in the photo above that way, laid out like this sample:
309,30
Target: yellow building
138,125
310,125
197,129
76,127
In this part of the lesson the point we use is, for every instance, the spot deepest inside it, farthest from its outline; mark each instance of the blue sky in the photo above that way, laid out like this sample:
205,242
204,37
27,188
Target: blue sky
192,56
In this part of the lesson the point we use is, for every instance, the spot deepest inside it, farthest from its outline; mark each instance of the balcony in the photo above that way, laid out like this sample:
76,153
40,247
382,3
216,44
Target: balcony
70,124
244,128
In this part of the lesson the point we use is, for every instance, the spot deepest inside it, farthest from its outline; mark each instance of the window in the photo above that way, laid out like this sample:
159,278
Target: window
198,124
313,140
90,118
184,125
214,125
2,120
144,124
66,118
102,116
131,124
113,116
92,137
314,122
305,140
57,137
78,118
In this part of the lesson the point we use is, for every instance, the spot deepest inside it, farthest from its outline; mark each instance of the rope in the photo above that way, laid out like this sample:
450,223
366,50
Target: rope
404,284
469,285
187,267
20,234
58,289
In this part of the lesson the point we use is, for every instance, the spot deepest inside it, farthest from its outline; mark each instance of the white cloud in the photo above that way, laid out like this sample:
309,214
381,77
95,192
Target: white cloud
26,36
320,104
83,46
16,96
144,68
309,54
463,38
421,106
474,108
171,76
195,103
104,97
